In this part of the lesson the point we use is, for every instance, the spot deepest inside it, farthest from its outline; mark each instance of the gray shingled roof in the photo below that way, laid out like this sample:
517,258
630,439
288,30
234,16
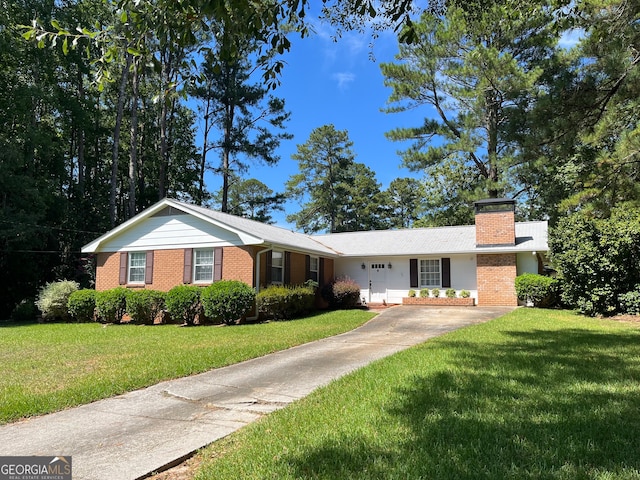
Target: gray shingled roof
270,234
530,236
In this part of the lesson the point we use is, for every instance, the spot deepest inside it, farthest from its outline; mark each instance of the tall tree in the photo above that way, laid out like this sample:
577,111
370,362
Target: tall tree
336,193
470,69
404,200
252,199
246,123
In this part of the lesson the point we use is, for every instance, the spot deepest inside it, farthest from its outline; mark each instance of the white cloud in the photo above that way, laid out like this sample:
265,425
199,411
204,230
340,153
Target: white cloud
344,79
570,38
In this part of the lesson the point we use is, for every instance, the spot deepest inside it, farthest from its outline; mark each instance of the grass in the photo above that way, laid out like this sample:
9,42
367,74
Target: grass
49,367
536,394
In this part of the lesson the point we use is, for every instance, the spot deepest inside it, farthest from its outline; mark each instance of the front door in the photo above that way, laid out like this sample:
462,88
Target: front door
377,282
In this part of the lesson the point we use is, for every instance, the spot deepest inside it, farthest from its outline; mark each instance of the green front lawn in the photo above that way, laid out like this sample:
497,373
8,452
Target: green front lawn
50,367
536,394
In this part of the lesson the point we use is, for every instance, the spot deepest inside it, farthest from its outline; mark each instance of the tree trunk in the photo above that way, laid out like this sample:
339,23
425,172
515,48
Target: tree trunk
493,105
80,139
116,140
133,151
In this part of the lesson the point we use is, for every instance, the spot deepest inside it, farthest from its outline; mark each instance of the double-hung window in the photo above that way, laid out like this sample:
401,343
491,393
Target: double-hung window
277,267
203,266
430,273
137,265
313,268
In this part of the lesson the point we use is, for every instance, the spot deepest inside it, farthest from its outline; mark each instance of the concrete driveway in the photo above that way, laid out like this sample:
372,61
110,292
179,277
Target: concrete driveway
131,435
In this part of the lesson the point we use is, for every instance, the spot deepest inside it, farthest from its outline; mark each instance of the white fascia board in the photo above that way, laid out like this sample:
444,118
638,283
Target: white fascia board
439,254
94,246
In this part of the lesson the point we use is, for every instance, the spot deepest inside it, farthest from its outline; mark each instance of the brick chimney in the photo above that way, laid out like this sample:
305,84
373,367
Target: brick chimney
495,222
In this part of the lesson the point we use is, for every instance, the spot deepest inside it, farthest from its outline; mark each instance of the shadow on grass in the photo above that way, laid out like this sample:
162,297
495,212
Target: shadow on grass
540,405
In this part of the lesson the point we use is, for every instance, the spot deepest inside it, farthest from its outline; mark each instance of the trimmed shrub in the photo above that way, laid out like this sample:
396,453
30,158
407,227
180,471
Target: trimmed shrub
538,290
82,305
111,305
143,306
25,311
412,293
435,292
630,302
424,292
284,303
53,297
341,293
227,301
465,293
183,303
450,293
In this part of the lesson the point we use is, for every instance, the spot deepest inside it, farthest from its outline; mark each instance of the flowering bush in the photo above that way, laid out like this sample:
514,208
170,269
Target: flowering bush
341,293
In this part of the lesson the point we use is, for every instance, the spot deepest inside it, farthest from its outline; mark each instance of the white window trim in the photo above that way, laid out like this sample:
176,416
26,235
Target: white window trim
281,267
130,267
439,285
317,269
196,264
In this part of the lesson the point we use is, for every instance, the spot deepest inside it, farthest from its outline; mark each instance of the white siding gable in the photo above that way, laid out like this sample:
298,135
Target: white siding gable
174,231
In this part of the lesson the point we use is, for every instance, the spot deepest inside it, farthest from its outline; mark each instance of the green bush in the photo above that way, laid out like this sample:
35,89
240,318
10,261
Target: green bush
111,305
25,311
341,293
183,303
412,293
465,293
538,290
424,292
284,303
53,297
227,301
630,301
435,292
450,293
82,305
597,259
143,306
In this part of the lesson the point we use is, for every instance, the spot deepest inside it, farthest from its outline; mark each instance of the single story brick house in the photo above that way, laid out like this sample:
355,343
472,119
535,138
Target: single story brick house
172,243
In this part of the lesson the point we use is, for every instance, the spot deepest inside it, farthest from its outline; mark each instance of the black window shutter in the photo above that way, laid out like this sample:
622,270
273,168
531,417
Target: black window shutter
446,272
321,272
217,264
287,268
124,261
413,273
268,263
307,267
188,265
148,268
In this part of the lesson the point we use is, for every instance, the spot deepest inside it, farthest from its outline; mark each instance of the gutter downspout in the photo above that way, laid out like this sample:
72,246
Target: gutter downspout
257,275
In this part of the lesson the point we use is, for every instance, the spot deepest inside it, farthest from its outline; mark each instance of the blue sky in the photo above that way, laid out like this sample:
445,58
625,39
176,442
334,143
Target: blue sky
336,82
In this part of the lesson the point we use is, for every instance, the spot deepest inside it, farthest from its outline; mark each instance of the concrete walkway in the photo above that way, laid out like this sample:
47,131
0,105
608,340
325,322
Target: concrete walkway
129,436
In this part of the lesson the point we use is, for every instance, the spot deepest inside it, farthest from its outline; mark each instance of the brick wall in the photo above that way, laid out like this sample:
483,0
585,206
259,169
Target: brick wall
107,270
168,268
298,268
496,276
237,264
495,228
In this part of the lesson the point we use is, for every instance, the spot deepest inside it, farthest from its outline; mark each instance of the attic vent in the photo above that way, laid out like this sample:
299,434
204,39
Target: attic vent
168,211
